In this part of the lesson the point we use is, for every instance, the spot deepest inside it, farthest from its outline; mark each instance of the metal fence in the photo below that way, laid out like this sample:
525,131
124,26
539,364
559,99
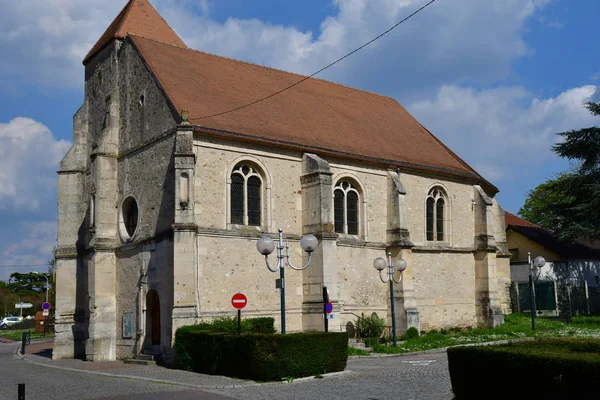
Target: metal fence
554,298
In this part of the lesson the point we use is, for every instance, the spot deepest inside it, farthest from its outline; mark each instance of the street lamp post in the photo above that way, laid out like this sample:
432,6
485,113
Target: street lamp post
265,246
539,262
380,264
47,283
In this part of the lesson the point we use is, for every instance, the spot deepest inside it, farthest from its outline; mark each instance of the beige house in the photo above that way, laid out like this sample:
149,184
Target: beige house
172,179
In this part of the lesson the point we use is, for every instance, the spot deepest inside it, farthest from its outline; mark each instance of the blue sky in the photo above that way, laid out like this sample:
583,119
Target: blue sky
494,80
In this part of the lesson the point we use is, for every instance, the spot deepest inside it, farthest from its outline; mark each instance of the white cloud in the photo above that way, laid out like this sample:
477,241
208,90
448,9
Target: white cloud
30,244
29,158
499,131
449,42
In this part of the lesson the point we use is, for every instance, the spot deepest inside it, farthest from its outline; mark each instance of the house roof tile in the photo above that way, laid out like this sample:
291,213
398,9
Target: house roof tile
316,114
137,17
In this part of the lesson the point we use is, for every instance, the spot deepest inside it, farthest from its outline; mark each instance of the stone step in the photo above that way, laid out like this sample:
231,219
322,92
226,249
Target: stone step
144,357
139,362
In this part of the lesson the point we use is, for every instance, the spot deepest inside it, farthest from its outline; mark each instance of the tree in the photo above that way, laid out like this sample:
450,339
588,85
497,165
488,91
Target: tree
570,204
543,204
27,284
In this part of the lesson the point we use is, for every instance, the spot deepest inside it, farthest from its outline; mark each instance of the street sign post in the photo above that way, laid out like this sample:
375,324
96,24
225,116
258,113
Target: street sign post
46,306
325,303
239,301
22,305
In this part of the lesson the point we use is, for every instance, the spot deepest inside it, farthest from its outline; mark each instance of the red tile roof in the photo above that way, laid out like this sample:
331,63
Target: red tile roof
511,219
140,18
313,115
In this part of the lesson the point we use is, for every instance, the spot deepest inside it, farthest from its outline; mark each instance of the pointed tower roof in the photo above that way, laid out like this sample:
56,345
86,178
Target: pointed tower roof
141,18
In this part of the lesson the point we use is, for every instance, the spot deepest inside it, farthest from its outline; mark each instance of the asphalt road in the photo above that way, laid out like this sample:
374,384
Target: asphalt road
418,377
53,384
422,377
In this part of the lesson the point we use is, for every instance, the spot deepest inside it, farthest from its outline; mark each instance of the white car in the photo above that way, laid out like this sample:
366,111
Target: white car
8,321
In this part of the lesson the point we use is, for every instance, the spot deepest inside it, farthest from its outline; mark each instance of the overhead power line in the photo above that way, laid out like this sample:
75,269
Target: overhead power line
22,265
319,71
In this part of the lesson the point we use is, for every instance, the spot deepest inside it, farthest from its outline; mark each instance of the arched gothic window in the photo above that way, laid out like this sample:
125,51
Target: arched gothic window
246,196
436,215
346,208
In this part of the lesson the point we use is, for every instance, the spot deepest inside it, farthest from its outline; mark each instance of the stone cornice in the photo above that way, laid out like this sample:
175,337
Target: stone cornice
344,241
65,252
443,249
185,227
70,171
241,233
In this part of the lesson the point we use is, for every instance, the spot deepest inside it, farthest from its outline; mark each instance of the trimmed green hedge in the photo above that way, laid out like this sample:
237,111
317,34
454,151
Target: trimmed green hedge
258,356
548,369
229,324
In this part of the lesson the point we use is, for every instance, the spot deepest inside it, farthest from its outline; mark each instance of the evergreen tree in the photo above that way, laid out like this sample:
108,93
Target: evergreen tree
570,204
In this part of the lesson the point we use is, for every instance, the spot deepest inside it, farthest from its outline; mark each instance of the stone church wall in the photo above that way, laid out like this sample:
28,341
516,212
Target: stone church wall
444,273
444,288
143,268
229,265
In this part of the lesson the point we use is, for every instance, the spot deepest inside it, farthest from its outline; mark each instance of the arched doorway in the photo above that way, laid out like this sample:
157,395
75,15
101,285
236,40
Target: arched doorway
153,312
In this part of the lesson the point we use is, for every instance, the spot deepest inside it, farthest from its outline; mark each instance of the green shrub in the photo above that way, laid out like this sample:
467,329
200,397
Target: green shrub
553,368
371,342
371,326
229,324
260,356
262,325
352,351
412,333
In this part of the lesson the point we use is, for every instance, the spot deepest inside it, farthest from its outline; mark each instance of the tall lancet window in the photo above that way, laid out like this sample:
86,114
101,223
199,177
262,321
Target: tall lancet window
346,208
436,215
246,196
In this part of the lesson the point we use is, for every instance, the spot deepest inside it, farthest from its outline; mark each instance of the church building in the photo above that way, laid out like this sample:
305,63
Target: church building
176,172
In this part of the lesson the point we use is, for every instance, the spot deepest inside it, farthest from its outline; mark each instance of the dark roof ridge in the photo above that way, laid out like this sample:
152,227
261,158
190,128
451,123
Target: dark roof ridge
267,67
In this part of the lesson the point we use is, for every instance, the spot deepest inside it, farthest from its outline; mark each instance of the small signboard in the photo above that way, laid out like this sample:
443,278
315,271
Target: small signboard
239,301
127,326
46,313
46,306
23,305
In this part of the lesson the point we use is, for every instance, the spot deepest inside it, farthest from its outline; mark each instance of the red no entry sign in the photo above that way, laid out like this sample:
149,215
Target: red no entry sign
239,301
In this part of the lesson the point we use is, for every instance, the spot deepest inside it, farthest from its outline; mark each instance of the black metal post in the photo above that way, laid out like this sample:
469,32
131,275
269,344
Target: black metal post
21,391
325,301
239,321
532,299
570,317
281,276
23,342
282,294
393,310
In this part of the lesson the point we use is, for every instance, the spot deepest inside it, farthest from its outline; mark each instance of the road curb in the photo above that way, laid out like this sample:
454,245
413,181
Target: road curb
443,349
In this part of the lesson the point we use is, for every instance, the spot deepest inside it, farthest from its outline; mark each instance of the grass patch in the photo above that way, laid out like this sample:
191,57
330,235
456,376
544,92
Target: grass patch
353,351
18,334
515,326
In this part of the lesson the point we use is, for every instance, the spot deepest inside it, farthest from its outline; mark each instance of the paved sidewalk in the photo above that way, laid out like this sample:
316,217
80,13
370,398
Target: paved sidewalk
40,353
415,376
